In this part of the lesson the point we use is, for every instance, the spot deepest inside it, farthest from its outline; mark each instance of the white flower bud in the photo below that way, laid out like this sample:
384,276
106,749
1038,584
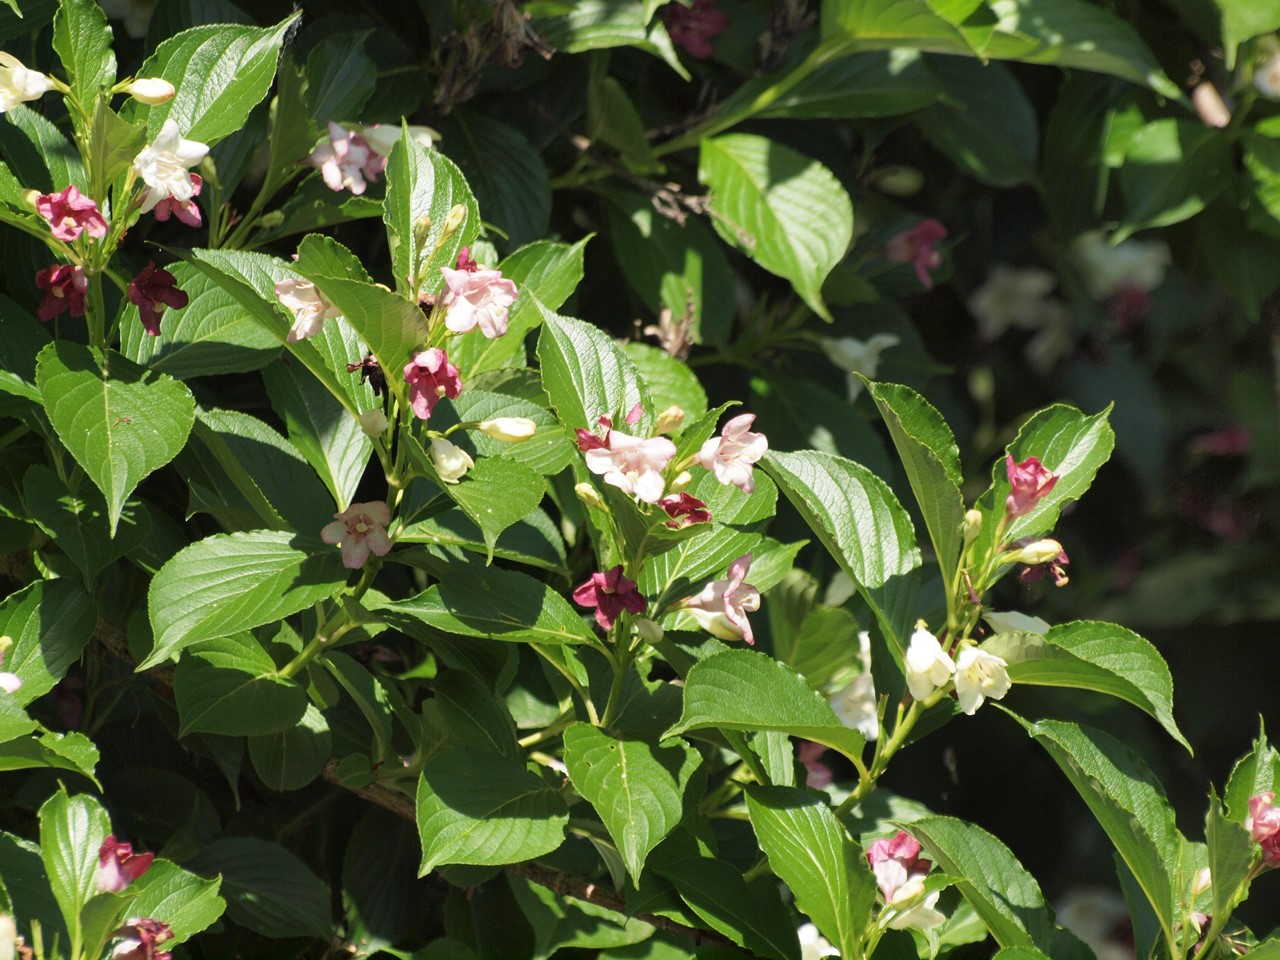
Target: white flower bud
928,665
373,422
590,496
510,429
972,526
150,90
451,461
647,630
1034,553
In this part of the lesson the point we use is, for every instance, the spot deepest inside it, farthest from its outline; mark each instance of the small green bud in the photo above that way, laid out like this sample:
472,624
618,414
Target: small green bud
421,231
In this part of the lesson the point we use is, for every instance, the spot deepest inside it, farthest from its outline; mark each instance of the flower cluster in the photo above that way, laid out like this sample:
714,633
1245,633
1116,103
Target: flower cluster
978,674
900,871
1263,825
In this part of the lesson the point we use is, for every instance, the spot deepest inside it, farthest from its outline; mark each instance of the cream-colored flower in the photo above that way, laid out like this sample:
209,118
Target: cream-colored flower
1012,297
928,665
19,85
451,461
980,675
1106,269
150,90
510,429
858,356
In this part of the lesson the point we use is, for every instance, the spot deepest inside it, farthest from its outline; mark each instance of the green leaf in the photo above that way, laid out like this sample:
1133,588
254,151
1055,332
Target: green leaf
70,751
1256,772
637,788
1243,20
587,375
561,922
267,889
473,716
291,758
1172,170
340,78
1127,801
613,119
50,623
535,540
14,722
227,583
497,493
996,885
424,182
601,24
1231,856
885,83
71,833
229,686
785,210
485,809
931,460
221,72
505,171
1090,655
494,603
82,41
880,24
809,850
749,691
671,382
40,153
548,451
120,422
546,273
189,904
28,886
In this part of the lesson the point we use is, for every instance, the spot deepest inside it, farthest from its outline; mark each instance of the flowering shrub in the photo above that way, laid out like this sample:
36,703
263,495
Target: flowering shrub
367,596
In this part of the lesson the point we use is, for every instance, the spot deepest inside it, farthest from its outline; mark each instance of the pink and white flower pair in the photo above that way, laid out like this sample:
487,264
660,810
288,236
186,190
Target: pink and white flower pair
722,607
900,873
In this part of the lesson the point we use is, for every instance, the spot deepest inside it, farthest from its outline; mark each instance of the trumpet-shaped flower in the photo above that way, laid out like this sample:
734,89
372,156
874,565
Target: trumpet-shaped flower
164,164
360,529
71,213
64,287
18,85
477,298
151,291
185,210
632,464
1030,483
430,376
450,460
916,246
610,593
310,307
979,675
722,607
731,455
119,866
928,665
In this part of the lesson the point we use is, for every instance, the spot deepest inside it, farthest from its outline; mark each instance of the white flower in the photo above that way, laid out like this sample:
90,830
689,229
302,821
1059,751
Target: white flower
1107,269
980,675
858,356
150,90
373,422
383,136
1010,621
928,665
855,705
450,460
308,305
164,163
813,945
510,429
1013,297
19,85
920,913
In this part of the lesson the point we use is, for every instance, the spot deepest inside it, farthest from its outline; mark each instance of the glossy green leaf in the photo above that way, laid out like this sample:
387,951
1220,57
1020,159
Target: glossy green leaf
637,788
39,152
267,889
494,603
1243,20
1091,655
14,721
810,851
1172,170
784,210
474,716
587,375
613,119
749,691
548,451
561,923
58,751
72,829
482,808
229,686
1256,772
189,904
497,493
293,757
82,41
535,540
601,24
1231,856
50,623
221,72
226,583
671,382
120,422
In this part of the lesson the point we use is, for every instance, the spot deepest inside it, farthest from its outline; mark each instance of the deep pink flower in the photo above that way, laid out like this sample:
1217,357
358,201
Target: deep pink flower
684,509
71,213
477,297
185,210
692,27
119,866
731,455
1030,483
916,246
151,291
722,607
895,861
632,464
140,937
610,593
64,285
817,774
430,376
466,262
594,441
361,529
346,161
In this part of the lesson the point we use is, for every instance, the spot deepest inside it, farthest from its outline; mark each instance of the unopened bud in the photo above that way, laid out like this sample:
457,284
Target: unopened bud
680,482
898,181
1267,76
669,421
150,90
373,422
590,496
648,630
1202,882
271,219
451,461
31,196
8,937
510,429
454,220
421,230
972,526
1034,553
5,644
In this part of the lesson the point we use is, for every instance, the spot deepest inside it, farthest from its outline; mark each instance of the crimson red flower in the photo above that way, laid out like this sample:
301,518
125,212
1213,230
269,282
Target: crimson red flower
684,509
71,213
915,246
692,27
119,866
430,376
594,441
64,285
151,291
610,593
1030,483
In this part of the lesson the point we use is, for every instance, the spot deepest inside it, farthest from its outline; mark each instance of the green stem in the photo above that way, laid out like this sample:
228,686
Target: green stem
739,745
96,313
573,682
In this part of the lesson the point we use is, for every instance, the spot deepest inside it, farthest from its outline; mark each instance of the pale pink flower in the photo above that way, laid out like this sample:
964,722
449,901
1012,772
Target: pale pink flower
1263,825
632,464
610,593
346,161
722,607
900,874
361,529
310,307
731,455
477,297
164,166
185,210
430,376
916,246
1030,483
71,213
817,774
119,866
